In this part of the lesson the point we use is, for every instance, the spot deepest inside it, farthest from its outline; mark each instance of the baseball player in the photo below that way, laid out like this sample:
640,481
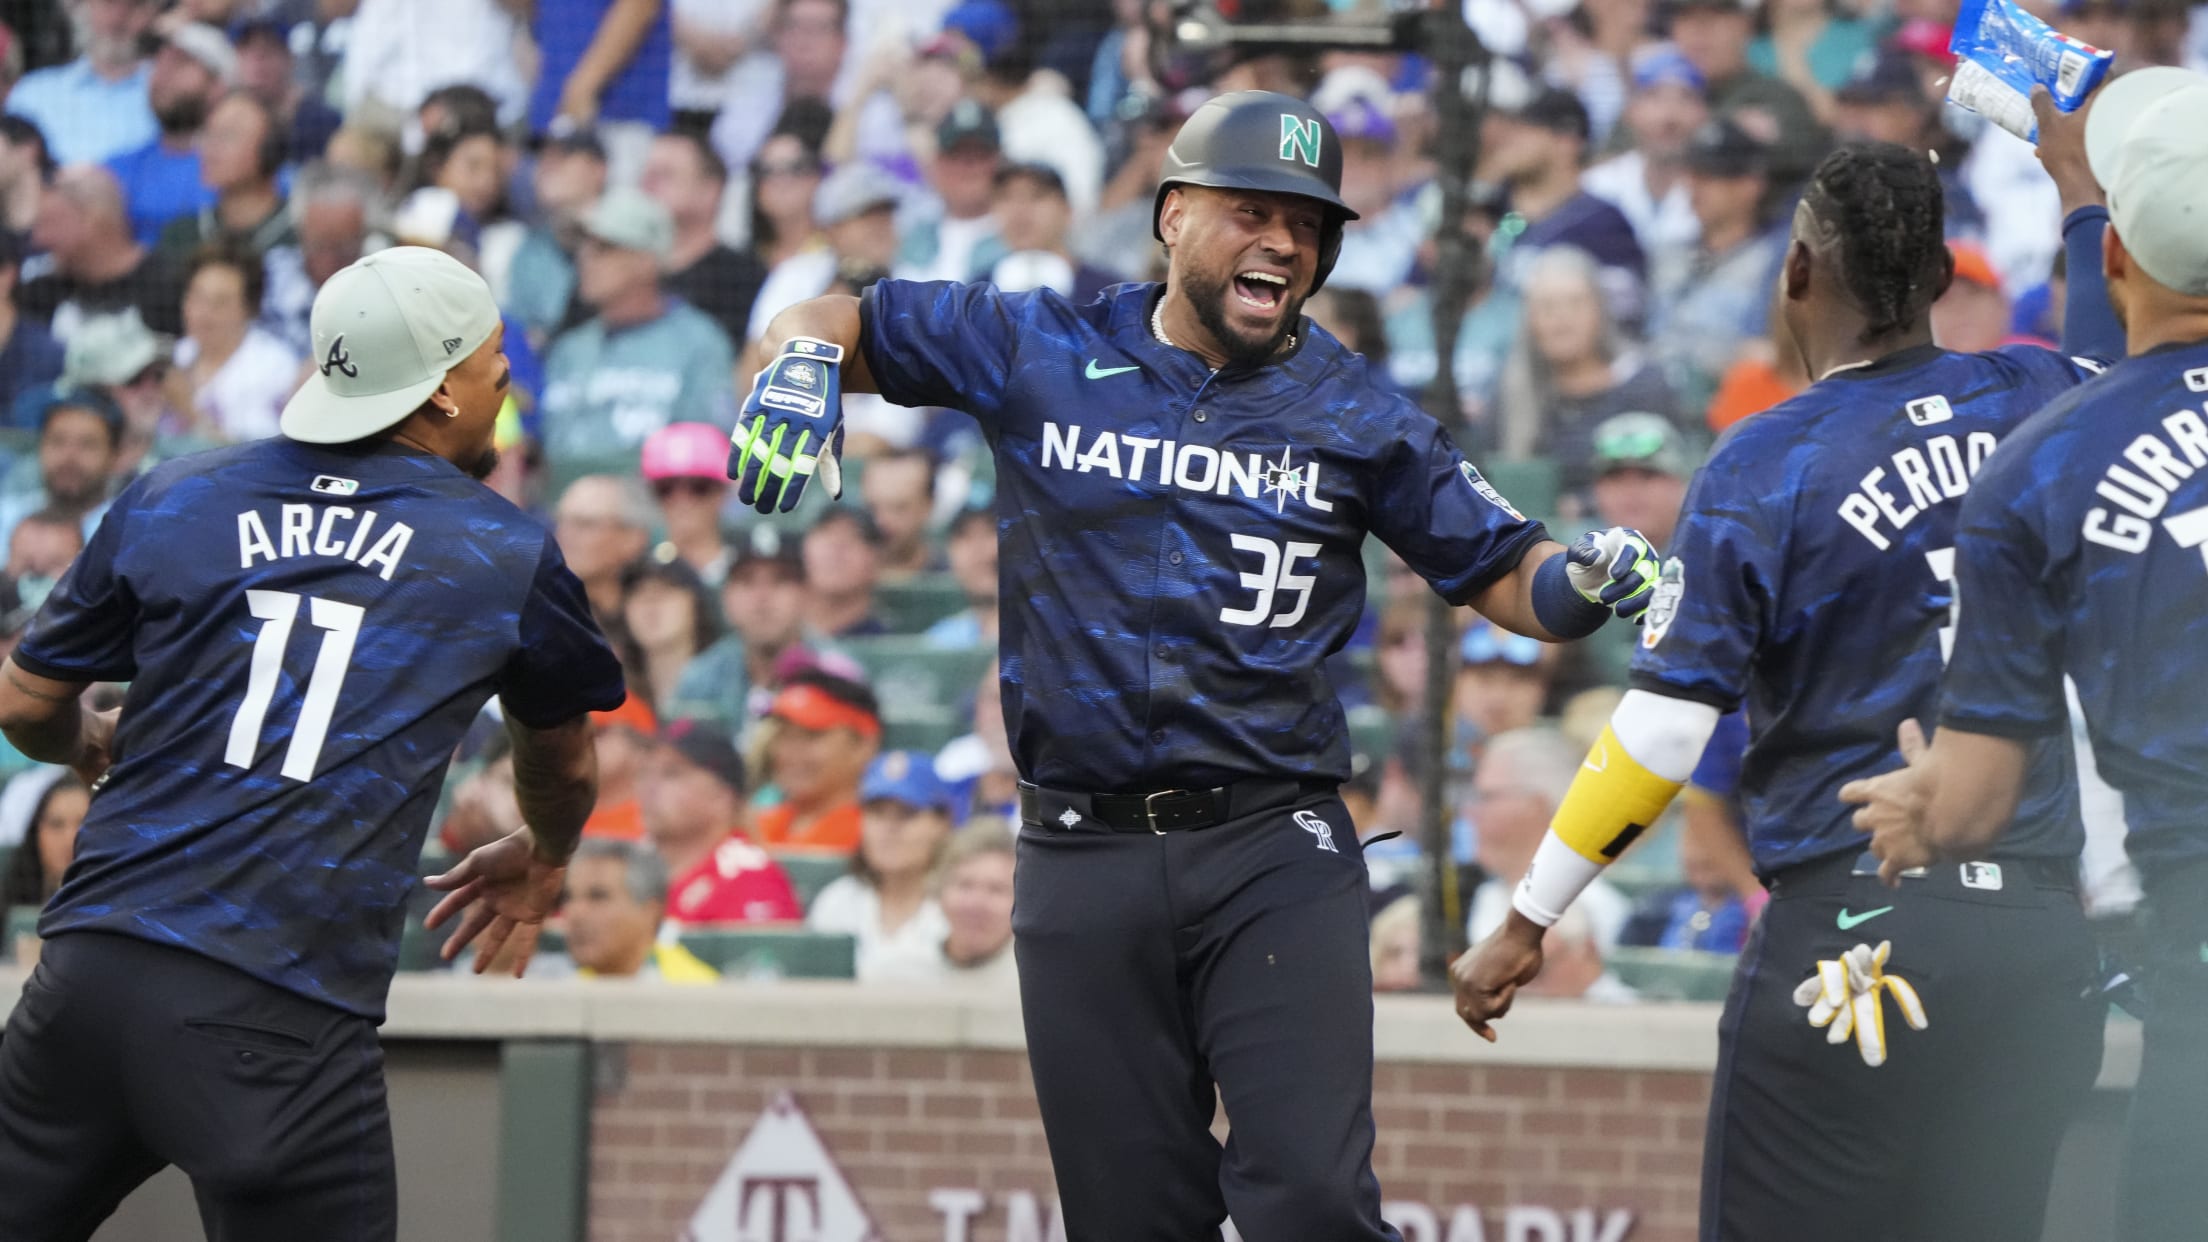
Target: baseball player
308,624
1811,581
2081,555
1185,475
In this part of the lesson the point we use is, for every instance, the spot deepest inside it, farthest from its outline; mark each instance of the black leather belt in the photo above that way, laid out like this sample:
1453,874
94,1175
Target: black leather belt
1987,875
1161,811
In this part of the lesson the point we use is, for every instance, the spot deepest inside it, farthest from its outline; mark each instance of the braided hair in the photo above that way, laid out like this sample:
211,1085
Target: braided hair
1880,207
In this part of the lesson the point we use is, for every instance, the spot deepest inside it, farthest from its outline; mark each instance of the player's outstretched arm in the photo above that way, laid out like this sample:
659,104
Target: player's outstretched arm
1643,758
791,424
509,887
45,719
1557,594
1951,800
834,319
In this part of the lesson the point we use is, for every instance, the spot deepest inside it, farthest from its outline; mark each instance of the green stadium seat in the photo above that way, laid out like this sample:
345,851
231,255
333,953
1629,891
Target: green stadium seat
912,606
926,731
791,953
1371,733
809,872
910,677
1673,974
1532,486
21,922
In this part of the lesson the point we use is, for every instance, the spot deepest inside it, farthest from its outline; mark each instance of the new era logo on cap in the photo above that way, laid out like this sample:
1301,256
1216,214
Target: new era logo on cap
451,343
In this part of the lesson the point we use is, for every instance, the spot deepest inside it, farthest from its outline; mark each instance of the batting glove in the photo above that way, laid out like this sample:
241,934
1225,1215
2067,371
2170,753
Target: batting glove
1846,998
791,426
1615,568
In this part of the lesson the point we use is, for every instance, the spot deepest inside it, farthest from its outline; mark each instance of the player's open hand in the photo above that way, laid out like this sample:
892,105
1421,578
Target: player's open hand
1615,568
507,891
790,427
1893,809
1487,978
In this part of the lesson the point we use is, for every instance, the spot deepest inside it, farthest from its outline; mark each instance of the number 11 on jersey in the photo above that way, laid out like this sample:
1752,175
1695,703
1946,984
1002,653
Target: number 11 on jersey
277,610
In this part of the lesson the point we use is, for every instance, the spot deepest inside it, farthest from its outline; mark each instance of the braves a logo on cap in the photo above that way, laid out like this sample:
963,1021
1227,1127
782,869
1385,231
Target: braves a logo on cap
338,360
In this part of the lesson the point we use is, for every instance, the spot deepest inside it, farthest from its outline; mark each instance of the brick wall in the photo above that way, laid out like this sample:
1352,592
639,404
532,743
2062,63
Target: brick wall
904,1122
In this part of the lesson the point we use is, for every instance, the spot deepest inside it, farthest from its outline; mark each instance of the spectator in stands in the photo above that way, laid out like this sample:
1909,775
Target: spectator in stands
118,357
974,890
1573,968
971,547
954,236
94,108
616,896
1038,121
1539,148
539,284
1399,658
623,740
612,79
785,184
1974,314
1647,181
39,550
603,523
389,66
712,39
899,491
856,208
29,355
232,376
95,267
1520,782
1571,368
469,161
1704,913
1714,34
160,180
763,599
240,154
807,41
1502,683
686,176
25,168
984,779
332,211
686,466
371,153
35,870
843,552
694,810
824,732
1813,46
1395,946
885,902
79,436
1710,306
1034,218
483,806
1117,234
668,613
267,68
1642,468
1379,248
644,360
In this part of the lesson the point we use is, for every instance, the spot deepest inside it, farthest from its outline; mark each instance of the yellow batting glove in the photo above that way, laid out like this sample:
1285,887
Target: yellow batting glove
1846,997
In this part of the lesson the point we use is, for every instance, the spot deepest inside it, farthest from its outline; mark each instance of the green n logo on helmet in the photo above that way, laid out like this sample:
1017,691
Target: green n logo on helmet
1299,138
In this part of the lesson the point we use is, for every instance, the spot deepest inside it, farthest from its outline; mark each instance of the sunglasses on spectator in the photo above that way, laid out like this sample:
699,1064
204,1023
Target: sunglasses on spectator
696,488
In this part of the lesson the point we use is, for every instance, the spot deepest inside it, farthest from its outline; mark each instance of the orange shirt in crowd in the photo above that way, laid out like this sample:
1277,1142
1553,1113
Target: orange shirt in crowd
835,829
1750,386
621,821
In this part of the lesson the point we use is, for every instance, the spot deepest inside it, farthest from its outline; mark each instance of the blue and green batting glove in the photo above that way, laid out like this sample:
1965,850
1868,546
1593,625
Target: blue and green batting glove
1615,568
791,425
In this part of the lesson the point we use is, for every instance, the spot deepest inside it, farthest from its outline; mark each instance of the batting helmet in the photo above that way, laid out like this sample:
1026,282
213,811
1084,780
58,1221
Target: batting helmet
1261,140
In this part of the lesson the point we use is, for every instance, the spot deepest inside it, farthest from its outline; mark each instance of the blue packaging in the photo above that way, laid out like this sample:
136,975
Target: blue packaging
2002,52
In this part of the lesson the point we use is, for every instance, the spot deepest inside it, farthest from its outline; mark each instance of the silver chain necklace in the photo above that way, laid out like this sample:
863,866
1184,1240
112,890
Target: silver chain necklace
1157,329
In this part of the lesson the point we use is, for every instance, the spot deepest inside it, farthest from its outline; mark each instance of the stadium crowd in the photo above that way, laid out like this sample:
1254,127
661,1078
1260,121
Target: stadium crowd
813,739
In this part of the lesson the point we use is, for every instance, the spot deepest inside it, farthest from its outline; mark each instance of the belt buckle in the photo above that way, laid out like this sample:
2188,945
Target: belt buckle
1150,810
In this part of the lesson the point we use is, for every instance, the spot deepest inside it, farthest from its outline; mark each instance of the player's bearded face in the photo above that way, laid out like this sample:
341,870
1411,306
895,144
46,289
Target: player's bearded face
1247,268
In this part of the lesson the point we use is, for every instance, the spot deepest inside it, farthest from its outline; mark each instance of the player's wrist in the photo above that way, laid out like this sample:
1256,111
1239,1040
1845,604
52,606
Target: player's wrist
1555,879
549,853
1558,603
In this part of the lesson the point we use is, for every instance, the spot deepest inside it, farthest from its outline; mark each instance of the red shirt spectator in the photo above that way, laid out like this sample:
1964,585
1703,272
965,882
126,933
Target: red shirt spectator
737,883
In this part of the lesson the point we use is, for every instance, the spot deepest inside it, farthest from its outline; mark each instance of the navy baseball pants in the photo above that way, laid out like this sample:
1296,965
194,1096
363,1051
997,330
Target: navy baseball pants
1162,975
123,1057
2165,1193
1954,1138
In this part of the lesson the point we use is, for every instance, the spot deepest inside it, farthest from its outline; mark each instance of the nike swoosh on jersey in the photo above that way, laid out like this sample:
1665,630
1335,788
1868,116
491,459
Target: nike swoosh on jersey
1096,372
1849,922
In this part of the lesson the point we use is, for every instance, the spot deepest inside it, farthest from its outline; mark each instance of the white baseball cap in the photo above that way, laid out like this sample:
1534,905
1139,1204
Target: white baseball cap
2147,143
386,330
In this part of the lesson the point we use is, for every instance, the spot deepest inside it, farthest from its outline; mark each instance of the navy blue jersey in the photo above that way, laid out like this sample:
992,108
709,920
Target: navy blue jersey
1811,579
2084,551
307,632
1180,550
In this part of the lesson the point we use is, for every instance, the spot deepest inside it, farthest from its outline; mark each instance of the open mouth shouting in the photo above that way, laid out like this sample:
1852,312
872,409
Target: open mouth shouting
1261,291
